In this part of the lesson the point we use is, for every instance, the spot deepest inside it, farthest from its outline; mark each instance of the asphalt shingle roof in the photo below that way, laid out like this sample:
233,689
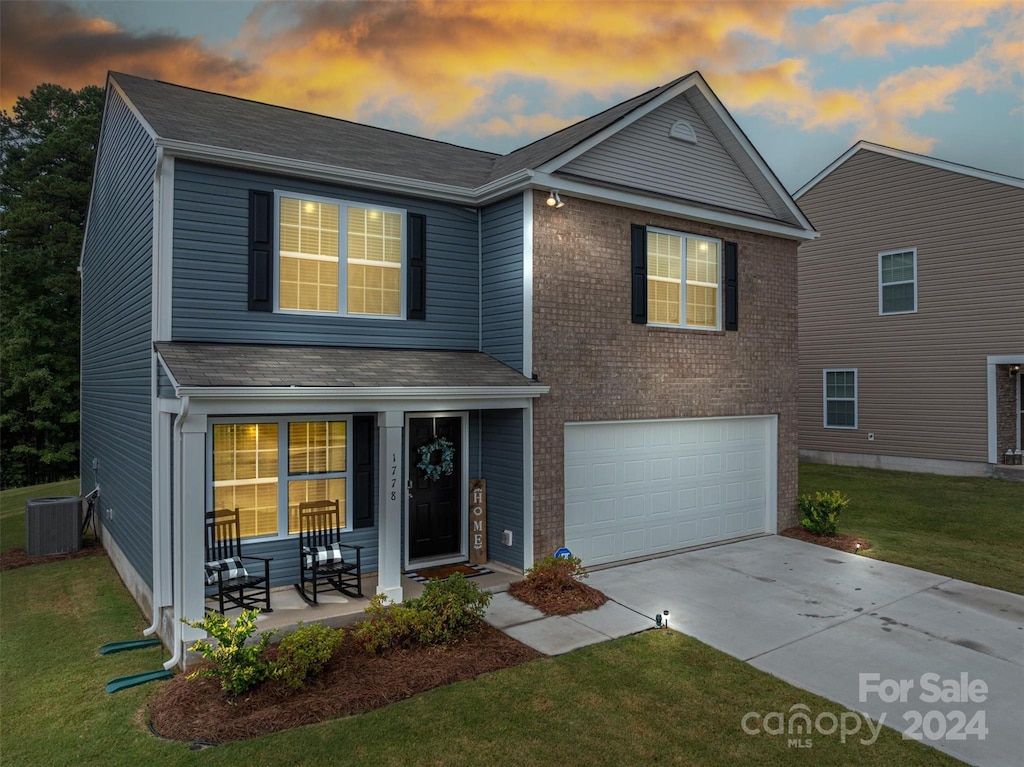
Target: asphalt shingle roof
212,119
239,365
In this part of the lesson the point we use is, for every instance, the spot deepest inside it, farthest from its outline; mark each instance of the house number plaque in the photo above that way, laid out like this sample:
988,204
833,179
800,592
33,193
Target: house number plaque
478,521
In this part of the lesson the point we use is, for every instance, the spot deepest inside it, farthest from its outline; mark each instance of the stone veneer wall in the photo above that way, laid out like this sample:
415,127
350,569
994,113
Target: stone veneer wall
1006,411
600,366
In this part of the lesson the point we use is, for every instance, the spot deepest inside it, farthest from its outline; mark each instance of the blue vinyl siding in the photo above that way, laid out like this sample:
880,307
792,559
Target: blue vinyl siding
116,333
210,294
501,464
501,281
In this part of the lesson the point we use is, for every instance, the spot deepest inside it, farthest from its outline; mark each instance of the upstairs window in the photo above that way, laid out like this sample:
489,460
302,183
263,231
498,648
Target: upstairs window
840,399
684,277
897,282
340,258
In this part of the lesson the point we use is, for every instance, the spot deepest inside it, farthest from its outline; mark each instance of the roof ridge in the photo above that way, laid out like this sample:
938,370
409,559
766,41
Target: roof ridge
491,155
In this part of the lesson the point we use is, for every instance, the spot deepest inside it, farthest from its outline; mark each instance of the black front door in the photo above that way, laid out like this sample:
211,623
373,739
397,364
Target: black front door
435,505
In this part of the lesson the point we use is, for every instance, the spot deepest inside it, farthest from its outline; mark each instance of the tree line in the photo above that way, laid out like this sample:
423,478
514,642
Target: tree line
47,150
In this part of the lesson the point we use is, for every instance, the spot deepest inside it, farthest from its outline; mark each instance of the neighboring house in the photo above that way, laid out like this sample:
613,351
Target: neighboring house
911,314
280,306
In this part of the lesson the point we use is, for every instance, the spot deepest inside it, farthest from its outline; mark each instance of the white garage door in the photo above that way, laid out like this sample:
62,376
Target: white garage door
634,488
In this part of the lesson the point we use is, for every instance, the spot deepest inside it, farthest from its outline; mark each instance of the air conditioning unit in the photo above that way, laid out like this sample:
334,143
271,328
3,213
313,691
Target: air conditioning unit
53,525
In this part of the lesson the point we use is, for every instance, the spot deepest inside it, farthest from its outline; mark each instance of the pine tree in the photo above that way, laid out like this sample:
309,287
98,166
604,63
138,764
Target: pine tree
47,148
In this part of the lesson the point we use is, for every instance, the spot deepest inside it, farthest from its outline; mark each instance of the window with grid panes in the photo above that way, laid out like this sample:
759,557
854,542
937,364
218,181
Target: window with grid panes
693,302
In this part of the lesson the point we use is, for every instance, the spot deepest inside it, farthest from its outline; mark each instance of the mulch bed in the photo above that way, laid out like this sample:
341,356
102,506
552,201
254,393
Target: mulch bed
354,682
847,543
13,558
558,600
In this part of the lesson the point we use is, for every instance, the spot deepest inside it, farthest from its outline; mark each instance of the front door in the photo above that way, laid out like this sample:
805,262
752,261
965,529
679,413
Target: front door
435,505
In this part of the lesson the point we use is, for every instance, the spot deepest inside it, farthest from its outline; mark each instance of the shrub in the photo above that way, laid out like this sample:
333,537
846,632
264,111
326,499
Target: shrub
303,654
820,515
556,573
238,665
446,611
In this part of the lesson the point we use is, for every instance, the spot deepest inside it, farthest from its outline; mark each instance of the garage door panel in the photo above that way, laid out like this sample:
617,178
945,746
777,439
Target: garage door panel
634,488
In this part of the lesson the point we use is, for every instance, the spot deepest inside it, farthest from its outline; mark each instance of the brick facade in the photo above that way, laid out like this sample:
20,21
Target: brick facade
600,366
1006,410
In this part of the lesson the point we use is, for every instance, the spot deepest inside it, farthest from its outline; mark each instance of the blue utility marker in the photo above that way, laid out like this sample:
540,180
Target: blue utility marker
563,553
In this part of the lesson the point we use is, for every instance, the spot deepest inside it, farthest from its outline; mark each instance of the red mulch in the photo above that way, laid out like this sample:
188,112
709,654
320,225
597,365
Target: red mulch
558,599
354,682
847,543
13,558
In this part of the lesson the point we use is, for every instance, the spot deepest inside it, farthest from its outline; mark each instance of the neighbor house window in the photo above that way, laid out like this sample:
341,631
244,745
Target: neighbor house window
266,469
339,258
684,278
840,399
897,282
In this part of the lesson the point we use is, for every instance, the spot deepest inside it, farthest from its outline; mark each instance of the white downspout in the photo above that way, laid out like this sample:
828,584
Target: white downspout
177,512
155,526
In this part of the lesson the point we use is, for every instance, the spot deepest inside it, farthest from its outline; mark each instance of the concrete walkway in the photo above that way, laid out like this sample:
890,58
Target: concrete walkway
825,621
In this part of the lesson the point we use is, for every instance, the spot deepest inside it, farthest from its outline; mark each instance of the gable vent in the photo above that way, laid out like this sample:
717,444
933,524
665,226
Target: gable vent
683,131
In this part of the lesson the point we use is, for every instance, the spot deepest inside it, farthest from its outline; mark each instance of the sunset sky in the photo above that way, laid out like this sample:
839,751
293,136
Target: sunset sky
805,80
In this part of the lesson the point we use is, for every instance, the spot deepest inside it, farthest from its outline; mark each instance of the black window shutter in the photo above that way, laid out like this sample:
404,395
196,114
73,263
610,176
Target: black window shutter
417,286
261,251
639,247
362,464
732,311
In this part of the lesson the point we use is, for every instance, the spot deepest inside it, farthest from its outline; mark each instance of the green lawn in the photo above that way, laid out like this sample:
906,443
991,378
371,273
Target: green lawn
969,528
659,697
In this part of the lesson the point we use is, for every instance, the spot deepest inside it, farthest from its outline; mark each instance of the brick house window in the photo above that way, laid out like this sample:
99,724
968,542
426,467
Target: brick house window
840,399
684,279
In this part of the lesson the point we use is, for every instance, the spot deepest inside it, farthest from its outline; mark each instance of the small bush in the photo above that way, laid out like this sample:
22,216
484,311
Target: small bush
556,573
446,611
820,515
303,654
238,665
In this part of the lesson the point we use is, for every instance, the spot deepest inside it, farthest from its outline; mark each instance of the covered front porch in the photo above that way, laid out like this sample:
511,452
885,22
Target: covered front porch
260,429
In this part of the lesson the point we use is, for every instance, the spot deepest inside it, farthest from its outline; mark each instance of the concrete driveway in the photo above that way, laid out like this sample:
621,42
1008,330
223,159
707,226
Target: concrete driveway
881,639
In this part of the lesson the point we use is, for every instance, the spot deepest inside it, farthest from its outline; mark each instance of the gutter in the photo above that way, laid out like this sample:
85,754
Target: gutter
177,512
361,392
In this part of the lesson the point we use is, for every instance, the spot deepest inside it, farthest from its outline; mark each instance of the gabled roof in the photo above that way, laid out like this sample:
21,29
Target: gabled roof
932,162
212,127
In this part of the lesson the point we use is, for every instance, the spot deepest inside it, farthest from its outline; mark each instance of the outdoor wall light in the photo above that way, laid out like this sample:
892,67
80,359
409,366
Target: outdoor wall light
1014,369
554,201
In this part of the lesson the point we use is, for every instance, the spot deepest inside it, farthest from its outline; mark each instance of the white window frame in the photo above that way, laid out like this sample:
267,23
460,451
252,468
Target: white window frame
343,206
881,285
283,477
683,281
825,399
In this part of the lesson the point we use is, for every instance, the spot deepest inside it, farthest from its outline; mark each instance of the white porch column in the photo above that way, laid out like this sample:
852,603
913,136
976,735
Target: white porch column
392,494
191,545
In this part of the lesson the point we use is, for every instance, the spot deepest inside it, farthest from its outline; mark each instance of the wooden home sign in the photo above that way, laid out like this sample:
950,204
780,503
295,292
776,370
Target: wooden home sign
477,521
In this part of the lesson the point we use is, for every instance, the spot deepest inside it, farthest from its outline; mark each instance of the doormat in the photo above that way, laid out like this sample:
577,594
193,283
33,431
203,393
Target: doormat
442,572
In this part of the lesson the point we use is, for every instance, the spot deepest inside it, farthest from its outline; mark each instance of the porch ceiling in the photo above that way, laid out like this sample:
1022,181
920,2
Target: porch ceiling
223,366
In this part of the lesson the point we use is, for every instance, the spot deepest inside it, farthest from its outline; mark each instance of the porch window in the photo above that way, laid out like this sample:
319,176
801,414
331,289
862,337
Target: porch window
840,399
249,471
340,258
897,282
683,280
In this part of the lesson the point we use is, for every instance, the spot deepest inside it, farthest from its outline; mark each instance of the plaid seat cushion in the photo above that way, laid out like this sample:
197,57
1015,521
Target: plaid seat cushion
231,567
324,555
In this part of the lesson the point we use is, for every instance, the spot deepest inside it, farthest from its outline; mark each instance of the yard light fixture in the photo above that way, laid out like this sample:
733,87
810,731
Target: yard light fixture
554,201
858,548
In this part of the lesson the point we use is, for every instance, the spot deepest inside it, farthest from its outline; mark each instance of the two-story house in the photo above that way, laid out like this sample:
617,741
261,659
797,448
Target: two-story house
280,306
911,326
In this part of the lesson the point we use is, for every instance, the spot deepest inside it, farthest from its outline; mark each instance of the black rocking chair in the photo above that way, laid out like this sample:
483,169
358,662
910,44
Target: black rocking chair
225,571
322,556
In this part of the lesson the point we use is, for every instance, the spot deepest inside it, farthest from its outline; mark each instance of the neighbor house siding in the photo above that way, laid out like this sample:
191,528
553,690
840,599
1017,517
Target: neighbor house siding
210,294
501,459
644,156
501,282
116,335
921,376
